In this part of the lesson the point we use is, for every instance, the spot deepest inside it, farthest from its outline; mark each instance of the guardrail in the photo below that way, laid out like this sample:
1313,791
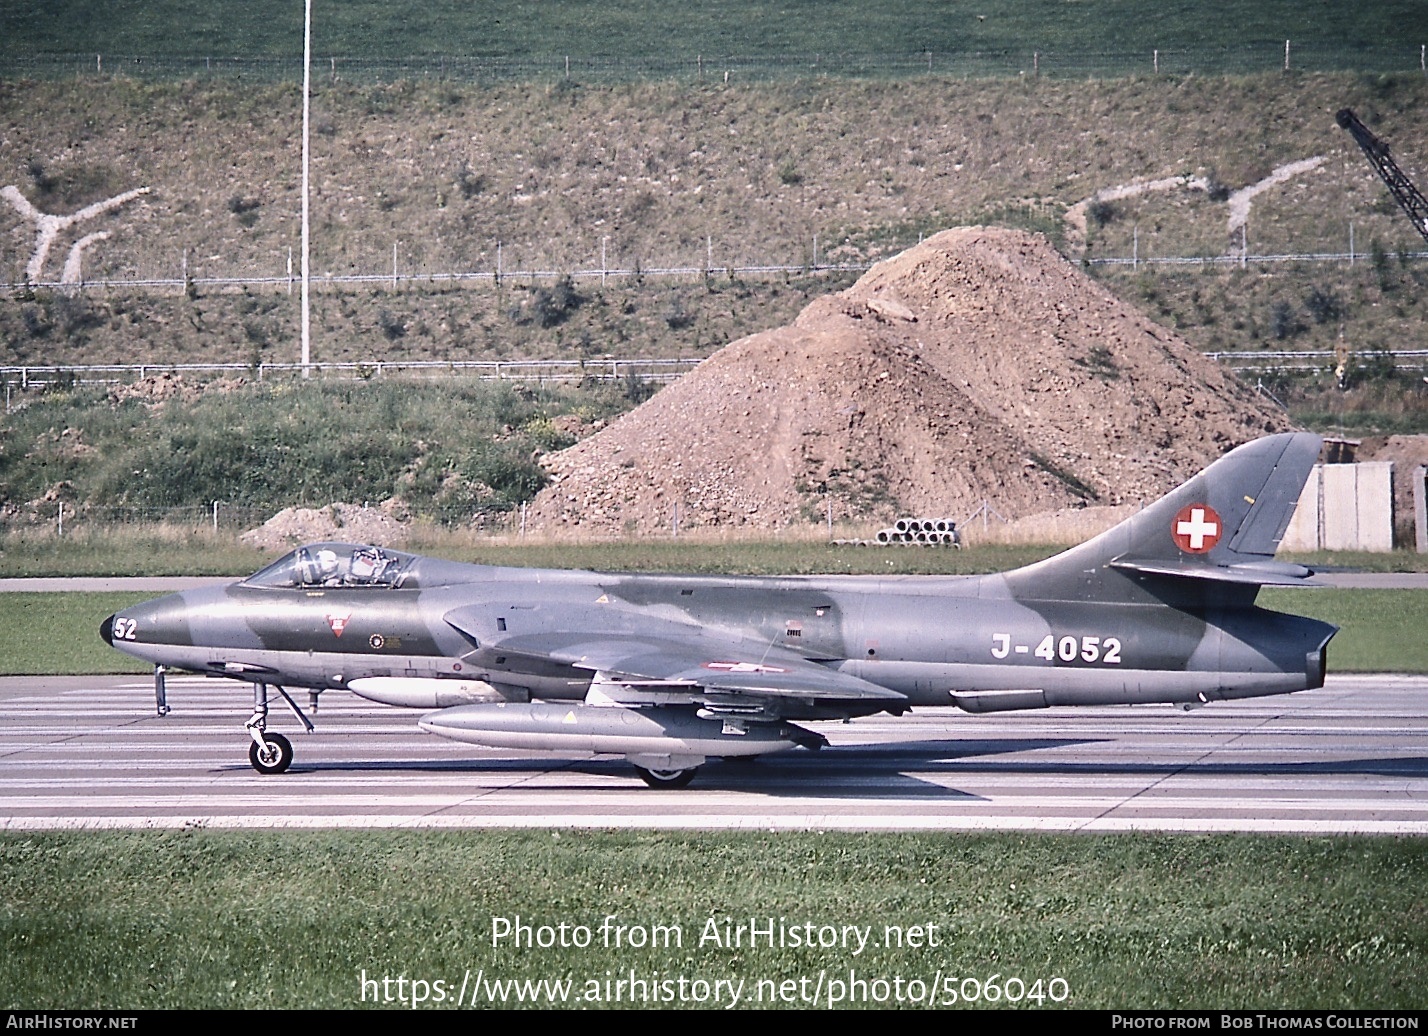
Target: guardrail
491,370
1318,359
396,279
1244,260
1246,58
605,369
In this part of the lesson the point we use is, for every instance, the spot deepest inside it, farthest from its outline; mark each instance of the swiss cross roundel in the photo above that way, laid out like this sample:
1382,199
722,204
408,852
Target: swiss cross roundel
1196,528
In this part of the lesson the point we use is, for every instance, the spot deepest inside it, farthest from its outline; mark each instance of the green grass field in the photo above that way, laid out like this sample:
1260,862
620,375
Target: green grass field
294,919
648,28
1381,631
50,633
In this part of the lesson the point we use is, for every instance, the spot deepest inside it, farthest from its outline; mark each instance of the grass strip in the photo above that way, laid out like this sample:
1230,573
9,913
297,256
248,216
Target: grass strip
294,919
1381,631
44,634
641,28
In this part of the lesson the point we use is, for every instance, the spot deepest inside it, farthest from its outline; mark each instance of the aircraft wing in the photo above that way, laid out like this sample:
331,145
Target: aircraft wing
720,665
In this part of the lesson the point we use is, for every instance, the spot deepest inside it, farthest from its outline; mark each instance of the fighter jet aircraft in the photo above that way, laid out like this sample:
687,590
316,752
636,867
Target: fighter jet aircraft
670,671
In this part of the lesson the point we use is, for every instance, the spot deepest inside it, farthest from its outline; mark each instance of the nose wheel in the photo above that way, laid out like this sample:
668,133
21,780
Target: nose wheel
273,754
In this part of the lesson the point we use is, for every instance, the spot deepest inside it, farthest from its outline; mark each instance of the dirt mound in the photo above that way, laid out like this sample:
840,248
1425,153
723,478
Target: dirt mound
348,523
155,390
979,365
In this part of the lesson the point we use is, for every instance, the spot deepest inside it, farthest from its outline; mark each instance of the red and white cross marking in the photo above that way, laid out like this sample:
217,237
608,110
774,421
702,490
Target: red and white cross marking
1197,528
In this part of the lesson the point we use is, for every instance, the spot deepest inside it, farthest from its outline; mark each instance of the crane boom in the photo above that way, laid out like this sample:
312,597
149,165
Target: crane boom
1399,185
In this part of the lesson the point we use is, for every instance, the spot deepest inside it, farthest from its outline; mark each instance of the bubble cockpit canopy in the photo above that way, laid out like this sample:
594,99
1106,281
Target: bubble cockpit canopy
337,565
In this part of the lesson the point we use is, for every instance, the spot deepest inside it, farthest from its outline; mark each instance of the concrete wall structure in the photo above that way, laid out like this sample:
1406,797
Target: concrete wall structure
1420,510
1303,531
1344,507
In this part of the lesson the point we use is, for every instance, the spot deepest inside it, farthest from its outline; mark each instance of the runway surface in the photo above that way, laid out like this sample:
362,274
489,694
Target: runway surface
1352,757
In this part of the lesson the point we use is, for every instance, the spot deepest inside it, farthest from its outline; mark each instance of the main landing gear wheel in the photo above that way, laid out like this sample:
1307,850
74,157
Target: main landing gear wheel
274,756
667,778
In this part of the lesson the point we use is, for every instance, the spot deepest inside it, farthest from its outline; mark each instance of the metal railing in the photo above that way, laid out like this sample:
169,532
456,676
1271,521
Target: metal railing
1319,359
1246,59
1350,258
474,278
662,371
397,280
657,370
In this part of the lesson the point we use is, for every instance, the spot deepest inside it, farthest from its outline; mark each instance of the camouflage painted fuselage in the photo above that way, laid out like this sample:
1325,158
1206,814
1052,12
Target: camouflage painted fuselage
1013,640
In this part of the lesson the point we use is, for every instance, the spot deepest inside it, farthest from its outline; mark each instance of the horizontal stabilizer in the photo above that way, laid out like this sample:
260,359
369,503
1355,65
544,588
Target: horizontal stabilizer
1253,573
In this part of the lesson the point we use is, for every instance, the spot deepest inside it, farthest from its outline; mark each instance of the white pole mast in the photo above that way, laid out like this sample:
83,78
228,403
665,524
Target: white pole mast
306,96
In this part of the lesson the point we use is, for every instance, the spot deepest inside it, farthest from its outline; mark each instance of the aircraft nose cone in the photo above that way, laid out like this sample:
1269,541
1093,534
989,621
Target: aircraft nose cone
106,630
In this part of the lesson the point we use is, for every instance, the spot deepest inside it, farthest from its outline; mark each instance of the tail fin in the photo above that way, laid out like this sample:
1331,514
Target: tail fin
1222,526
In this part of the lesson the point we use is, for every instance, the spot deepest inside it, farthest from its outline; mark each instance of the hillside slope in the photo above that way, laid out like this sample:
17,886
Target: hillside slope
435,178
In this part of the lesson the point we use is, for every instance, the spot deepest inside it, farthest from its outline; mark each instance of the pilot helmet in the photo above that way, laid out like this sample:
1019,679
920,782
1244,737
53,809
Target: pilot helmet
326,563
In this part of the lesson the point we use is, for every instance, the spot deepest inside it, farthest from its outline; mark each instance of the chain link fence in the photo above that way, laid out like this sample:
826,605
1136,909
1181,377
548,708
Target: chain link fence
62,517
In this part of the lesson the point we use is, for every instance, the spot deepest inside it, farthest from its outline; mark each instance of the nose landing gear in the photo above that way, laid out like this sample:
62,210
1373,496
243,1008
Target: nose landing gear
271,752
